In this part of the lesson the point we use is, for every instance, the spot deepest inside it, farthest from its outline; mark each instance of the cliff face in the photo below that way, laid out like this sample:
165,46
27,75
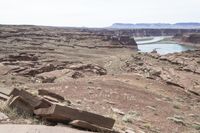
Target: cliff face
143,32
71,37
192,38
123,40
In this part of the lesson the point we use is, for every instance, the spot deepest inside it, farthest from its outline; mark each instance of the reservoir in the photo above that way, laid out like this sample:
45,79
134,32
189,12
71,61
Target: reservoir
163,48
148,44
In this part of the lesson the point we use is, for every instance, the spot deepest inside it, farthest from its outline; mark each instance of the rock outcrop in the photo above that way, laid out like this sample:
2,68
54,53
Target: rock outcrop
178,69
26,103
191,38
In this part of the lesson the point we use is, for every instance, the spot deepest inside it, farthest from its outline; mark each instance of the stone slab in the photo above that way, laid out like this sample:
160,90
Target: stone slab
3,97
34,101
51,94
66,114
90,127
5,91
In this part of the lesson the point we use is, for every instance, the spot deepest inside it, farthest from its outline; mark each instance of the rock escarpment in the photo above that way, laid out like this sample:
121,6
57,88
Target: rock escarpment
192,38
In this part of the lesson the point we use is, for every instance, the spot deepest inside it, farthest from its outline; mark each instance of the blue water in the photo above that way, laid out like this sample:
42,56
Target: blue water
163,48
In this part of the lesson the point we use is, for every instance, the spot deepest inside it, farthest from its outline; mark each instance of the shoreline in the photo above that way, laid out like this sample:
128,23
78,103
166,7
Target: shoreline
168,40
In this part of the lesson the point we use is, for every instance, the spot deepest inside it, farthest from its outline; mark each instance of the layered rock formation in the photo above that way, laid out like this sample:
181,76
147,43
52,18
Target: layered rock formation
192,38
95,72
70,37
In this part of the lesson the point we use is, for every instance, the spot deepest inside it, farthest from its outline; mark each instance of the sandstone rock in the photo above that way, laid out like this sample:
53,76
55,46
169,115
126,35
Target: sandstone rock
38,70
21,57
90,127
34,101
4,69
51,99
191,38
123,40
5,91
43,92
65,114
89,68
21,105
3,97
49,77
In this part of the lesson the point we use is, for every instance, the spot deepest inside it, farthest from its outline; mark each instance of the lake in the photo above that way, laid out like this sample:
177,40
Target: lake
163,48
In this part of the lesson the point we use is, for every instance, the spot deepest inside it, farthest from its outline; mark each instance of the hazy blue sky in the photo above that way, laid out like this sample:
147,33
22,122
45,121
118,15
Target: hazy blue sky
97,13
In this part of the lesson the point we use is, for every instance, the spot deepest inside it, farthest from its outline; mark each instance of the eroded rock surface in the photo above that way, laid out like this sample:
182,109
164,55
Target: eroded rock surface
179,69
100,71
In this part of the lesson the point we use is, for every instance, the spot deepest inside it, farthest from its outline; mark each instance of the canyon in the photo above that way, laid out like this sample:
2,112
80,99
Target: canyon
101,71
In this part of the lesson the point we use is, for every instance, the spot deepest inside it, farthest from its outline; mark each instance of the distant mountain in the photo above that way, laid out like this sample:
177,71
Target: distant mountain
156,26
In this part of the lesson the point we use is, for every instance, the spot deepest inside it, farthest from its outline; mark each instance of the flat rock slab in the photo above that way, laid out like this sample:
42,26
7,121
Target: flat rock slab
90,127
5,91
37,129
51,94
3,97
4,69
34,101
59,113
21,105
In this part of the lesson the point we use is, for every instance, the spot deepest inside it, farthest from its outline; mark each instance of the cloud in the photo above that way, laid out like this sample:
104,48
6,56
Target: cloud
97,13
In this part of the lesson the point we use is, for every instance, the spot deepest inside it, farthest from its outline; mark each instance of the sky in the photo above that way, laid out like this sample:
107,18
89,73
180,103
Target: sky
97,13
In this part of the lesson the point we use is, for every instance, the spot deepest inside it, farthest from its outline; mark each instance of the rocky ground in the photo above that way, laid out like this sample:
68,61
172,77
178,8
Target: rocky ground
104,73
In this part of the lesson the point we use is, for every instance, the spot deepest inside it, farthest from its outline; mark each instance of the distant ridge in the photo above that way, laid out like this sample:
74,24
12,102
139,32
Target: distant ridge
156,26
